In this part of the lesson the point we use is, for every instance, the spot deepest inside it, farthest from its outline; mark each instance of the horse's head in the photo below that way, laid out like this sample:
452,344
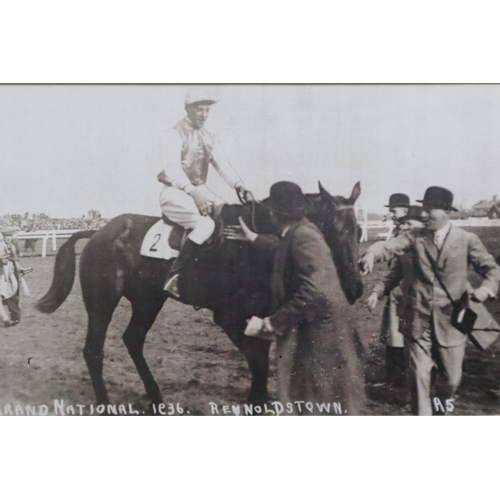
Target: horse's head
336,219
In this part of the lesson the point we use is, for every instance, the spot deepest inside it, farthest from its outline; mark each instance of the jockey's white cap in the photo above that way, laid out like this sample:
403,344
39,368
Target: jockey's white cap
198,94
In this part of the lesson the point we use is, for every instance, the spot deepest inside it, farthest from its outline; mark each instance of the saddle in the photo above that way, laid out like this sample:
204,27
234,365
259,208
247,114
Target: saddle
165,238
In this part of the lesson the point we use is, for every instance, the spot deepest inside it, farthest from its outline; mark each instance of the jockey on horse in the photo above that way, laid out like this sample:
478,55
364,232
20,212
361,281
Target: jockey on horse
186,152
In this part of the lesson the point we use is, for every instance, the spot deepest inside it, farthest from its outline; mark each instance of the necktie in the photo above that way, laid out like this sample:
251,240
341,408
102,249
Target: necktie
438,239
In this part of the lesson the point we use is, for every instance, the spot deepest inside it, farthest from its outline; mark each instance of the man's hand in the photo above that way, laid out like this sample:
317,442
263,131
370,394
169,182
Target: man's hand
480,294
240,233
372,300
366,263
202,202
261,328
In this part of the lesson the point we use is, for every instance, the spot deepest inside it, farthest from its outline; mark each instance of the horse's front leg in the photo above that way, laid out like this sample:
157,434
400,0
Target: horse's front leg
256,352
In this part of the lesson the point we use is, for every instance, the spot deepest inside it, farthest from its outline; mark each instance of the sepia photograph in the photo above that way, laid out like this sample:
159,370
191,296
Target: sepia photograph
249,250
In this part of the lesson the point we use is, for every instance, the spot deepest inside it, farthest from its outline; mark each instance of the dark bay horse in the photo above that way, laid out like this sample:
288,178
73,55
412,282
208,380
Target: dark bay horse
232,279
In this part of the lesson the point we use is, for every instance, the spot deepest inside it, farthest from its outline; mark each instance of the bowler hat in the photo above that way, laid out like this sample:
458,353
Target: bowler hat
438,197
414,213
286,198
398,200
198,94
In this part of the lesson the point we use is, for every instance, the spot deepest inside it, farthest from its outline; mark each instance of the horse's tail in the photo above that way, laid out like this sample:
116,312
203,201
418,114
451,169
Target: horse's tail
64,274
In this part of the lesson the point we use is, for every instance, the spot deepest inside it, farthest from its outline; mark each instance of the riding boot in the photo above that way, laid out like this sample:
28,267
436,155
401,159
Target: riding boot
187,253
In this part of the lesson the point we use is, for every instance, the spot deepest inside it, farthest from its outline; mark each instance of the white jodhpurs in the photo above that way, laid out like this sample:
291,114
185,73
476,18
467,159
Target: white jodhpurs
180,208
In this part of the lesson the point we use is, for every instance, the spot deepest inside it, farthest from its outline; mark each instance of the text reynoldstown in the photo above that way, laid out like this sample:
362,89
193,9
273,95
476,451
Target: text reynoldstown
277,408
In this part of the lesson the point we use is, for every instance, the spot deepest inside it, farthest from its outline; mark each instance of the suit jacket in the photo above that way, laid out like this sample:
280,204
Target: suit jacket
317,349
426,300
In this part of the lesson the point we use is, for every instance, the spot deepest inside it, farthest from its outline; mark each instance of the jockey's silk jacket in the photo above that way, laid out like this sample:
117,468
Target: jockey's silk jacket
186,153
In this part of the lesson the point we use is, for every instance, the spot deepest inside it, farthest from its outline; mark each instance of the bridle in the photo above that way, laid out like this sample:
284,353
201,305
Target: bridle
255,203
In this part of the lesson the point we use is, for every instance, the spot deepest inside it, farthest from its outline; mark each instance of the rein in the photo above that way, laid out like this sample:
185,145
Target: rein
254,203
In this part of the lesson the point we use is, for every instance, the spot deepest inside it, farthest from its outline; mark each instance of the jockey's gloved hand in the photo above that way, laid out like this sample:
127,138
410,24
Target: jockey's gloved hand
162,177
243,193
202,201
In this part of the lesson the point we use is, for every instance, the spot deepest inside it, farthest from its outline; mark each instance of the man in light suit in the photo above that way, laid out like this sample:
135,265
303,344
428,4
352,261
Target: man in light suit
432,341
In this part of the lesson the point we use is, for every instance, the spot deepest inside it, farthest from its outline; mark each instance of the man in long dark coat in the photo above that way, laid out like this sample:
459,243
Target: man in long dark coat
396,289
312,322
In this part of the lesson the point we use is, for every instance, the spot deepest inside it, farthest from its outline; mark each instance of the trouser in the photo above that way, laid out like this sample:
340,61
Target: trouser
395,365
12,303
180,208
426,360
3,313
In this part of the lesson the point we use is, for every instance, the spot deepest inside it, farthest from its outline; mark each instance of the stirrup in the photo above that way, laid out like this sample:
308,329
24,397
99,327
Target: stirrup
171,286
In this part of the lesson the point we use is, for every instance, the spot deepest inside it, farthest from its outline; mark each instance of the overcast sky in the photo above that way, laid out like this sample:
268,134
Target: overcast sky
67,149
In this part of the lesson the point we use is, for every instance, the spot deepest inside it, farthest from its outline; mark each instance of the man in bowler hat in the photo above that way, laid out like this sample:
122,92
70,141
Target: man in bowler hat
395,285
433,343
390,335
316,357
398,207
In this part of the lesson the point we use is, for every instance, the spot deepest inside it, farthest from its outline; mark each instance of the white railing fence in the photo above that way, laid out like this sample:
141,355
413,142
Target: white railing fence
45,235
387,227
477,222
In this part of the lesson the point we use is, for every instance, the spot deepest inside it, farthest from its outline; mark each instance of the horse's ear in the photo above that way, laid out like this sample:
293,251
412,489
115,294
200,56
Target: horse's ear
323,192
356,191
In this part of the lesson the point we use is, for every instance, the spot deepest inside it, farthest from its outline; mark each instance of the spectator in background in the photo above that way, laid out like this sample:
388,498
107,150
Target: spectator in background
9,277
390,335
42,222
395,286
3,313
